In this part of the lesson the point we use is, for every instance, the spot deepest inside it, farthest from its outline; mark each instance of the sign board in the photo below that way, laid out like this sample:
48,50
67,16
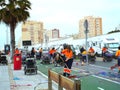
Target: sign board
7,48
26,43
86,24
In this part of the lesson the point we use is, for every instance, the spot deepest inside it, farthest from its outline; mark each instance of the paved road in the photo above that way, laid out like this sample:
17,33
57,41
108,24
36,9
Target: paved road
99,62
99,77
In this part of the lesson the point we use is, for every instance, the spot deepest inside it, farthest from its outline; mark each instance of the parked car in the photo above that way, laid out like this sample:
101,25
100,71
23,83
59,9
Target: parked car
44,50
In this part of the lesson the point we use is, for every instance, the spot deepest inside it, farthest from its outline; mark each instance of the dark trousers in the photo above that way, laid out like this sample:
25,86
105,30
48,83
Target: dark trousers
119,61
68,65
40,54
84,58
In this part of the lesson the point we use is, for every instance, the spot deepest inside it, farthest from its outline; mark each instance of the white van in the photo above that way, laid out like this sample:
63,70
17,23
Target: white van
111,43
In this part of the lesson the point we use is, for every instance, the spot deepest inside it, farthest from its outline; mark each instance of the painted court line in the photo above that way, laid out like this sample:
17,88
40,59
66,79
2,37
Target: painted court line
106,79
99,66
100,88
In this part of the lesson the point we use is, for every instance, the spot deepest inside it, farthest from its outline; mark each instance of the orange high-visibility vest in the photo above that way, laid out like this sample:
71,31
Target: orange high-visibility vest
67,70
64,51
117,53
17,52
104,49
91,50
69,54
52,51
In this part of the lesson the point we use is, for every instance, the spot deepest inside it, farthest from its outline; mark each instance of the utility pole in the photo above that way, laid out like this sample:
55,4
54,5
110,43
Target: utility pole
86,32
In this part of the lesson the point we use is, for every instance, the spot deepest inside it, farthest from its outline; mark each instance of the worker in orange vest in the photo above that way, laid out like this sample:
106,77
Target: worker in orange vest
17,51
118,62
68,61
104,50
63,51
91,50
51,53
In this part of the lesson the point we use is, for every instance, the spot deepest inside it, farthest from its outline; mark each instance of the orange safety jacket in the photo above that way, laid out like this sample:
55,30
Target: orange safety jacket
117,53
68,54
52,51
91,50
104,50
17,52
64,51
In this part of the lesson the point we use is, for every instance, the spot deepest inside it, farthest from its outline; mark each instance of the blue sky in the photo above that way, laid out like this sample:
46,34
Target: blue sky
65,15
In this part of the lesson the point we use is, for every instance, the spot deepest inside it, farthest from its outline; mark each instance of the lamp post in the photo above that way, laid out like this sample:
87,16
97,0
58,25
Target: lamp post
86,32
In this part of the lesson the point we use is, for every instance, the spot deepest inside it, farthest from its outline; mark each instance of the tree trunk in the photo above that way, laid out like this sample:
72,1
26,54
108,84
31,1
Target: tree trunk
12,32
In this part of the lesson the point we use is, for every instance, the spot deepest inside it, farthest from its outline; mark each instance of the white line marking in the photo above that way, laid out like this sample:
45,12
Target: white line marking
106,79
100,88
99,66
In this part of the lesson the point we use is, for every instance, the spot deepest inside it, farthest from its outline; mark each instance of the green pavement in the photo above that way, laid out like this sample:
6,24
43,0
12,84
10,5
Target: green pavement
88,82
96,83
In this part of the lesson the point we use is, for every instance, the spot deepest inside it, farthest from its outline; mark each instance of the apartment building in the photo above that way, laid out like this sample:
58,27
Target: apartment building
53,34
94,26
33,30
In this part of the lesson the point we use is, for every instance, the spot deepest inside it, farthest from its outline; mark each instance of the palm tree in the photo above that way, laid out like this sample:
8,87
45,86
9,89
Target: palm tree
13,12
